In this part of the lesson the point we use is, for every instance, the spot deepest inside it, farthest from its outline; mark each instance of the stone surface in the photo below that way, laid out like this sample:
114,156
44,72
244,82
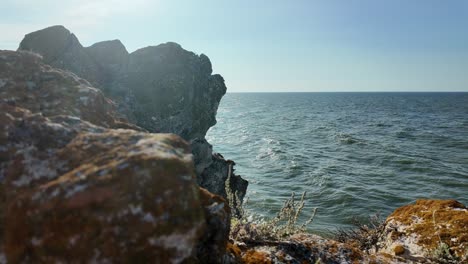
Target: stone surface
75,186
211,247
300,248
160,88
126,196
29,83
415,231
61,49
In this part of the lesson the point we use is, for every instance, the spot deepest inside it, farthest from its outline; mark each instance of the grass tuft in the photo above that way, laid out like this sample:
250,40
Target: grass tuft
282,226
365,235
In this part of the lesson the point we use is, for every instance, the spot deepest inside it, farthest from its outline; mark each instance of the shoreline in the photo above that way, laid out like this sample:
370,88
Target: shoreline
87,173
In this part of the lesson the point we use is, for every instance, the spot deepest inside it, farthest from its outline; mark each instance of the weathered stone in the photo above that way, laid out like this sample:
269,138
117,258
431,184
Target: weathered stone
300,248
174,89
211,247
214,178
29,83
61,49
74,189
111,55
127,196
161,88
420,228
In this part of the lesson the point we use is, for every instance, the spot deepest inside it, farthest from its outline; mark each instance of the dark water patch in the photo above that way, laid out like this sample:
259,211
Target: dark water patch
382,125
405,135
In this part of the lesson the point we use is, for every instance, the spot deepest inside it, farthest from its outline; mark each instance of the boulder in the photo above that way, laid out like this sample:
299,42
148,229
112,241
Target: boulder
126,196
428,229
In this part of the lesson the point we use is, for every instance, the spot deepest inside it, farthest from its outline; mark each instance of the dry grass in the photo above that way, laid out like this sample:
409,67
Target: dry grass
365,235
282,226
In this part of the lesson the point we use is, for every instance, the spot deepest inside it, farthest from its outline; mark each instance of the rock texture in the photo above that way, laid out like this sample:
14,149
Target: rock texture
301,248
416,232
75,185
160,88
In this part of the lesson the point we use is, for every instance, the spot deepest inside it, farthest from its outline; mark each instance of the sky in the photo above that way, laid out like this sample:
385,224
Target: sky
278,45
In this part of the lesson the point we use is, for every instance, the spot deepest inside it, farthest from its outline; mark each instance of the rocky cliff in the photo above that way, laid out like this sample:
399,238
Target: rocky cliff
163,89
79,182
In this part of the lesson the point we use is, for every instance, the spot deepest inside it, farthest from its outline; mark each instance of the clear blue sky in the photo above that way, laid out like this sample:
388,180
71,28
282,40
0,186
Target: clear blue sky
287,45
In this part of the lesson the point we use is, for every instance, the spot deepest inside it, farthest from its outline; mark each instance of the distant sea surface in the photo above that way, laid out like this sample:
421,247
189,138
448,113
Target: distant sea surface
356,154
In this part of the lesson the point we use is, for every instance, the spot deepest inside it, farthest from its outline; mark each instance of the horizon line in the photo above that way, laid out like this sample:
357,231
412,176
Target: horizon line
348,92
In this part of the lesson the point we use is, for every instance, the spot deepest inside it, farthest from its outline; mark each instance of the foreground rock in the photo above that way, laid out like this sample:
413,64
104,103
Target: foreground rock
73,187
429,229
125,196
160,88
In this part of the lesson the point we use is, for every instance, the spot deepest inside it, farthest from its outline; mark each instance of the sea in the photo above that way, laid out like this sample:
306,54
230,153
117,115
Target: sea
356,155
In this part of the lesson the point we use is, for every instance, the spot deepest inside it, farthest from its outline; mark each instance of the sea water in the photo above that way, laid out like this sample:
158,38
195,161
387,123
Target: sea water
355,154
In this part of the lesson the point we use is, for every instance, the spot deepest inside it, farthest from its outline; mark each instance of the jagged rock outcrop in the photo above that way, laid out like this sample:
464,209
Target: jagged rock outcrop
75,186
160,88
61,49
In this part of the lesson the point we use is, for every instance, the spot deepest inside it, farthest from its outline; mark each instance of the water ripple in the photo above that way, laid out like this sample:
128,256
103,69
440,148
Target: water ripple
355,154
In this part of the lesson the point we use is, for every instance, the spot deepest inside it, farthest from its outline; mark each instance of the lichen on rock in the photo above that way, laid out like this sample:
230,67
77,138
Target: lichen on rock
418,229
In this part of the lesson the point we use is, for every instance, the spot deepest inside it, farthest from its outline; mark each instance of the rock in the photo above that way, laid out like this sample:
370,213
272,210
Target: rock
215,176
127,196
218,219
61,49
174,91
111,55
112,58
300,248
213,171
160,88
29,83
75,188
399,250
417,231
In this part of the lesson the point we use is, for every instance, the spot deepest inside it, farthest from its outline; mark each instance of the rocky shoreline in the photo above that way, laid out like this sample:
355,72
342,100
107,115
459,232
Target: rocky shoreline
103,158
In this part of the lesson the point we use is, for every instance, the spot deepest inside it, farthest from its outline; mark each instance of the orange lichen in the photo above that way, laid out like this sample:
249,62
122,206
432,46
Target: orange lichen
399,250
435,221
233,249
256,257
